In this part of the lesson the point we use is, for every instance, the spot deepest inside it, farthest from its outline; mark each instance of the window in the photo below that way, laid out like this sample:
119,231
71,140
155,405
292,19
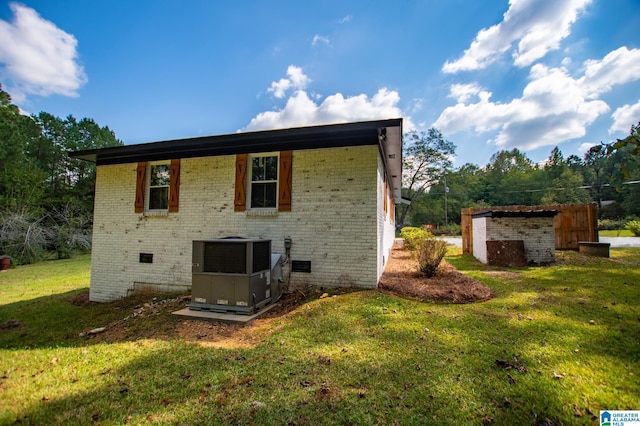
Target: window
157,186
264,182
159,179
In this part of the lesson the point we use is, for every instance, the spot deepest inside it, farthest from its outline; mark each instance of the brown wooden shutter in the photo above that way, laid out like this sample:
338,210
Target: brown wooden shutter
174,185
392,209
285,181
141,171
385,196
240,198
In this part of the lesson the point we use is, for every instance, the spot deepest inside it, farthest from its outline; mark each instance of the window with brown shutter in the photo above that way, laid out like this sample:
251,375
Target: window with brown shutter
263,182
157,187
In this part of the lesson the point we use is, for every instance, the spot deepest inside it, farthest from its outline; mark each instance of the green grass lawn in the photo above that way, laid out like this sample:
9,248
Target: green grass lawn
616,233
556,345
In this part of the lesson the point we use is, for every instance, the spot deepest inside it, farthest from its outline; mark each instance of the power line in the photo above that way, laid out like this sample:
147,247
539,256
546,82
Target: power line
632,182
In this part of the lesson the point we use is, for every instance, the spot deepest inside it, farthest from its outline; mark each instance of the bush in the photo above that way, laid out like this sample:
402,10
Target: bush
610,224
453,229
634,227
413,236
427,250
430,253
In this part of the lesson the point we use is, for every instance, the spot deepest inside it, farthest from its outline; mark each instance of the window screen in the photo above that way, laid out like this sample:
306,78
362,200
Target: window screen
159,187
264,182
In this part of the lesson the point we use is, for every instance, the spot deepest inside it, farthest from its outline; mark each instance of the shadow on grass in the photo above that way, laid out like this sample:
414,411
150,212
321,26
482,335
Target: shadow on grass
366,365
589,303
367,358
55,321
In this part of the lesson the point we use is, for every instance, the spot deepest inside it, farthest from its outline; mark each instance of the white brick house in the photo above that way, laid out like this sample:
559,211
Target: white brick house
331,189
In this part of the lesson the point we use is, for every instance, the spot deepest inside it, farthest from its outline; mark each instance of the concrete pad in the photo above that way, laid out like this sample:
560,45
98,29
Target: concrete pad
222,316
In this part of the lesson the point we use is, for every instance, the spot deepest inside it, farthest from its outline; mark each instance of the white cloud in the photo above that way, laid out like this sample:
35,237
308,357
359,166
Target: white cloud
584,147
317,39
537,25
553,108
345,19
417,105
617,67
624,117
302,110
296,79
463,92
37,57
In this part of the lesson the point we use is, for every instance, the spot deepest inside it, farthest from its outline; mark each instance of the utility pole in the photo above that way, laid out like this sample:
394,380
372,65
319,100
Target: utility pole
446,190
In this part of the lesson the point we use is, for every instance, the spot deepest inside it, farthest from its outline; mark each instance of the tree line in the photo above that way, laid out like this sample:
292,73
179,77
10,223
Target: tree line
608,174
46,197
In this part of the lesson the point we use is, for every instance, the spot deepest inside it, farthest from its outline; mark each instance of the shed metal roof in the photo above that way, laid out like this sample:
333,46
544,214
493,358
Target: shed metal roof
387,134
516,213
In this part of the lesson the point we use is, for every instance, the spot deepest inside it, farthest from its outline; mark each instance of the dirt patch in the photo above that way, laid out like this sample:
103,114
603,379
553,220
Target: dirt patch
146,316
80,299
149,317
401,278
11,324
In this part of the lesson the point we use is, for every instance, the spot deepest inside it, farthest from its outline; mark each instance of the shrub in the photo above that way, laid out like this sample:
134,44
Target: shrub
634,227
610,224
412,236
452,229
430,253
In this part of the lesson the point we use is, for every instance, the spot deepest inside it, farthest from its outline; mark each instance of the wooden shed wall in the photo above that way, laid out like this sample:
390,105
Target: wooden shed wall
573,223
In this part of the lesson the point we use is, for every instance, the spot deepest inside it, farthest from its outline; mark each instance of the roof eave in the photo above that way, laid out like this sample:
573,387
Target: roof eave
326,136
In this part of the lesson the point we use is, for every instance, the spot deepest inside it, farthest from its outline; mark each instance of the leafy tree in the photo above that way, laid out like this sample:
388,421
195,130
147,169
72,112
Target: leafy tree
464,185
564,183
46,197
566,189
630,144
19,178
511,178
555,164
427,157
595,176
67,179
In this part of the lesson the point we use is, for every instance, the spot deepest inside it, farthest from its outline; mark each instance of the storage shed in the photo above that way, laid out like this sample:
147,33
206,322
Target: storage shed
514,237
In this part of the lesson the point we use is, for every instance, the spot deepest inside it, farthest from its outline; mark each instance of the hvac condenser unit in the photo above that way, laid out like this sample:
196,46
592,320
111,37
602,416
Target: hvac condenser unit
232,275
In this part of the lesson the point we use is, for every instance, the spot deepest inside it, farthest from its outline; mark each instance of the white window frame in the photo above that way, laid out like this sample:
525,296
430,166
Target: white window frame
148,186
250,180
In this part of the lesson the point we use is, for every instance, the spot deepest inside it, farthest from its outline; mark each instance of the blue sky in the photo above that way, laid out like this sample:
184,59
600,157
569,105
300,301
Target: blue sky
490,75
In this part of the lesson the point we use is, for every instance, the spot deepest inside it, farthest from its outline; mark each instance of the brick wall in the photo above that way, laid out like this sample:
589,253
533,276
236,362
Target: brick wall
536,232
334,223
479,239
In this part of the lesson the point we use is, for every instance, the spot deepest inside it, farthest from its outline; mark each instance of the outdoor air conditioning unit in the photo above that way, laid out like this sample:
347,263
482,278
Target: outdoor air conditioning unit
233,275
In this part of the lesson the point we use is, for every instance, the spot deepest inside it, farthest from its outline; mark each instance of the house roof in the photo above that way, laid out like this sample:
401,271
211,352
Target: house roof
387,134
516,213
